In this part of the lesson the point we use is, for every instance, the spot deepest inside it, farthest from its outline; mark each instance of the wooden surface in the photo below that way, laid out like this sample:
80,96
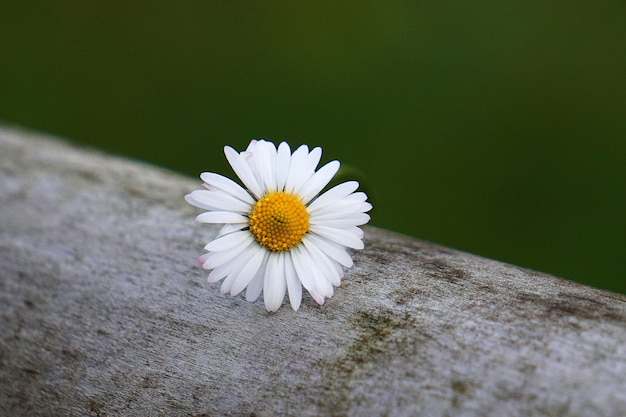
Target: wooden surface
105,312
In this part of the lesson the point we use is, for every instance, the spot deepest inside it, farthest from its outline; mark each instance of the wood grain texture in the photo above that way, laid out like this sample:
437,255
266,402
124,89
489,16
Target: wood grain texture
104,311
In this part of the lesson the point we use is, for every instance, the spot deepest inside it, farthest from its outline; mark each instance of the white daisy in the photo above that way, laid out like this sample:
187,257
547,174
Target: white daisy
278,234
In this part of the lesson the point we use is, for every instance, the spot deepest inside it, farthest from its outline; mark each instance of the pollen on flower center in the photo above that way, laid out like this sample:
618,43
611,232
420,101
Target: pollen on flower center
279,220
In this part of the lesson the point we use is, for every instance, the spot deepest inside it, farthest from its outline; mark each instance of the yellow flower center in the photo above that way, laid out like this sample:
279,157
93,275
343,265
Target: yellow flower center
279,220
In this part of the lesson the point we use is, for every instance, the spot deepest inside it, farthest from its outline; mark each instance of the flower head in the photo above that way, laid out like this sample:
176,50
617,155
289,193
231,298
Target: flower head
279,234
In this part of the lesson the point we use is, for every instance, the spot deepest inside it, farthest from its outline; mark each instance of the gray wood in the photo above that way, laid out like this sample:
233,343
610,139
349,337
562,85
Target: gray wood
105,312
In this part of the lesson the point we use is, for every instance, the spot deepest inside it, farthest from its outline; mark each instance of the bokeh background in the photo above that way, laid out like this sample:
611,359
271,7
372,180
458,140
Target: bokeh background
497,126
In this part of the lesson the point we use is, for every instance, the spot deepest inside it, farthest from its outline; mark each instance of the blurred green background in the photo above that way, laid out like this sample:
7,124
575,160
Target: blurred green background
497,127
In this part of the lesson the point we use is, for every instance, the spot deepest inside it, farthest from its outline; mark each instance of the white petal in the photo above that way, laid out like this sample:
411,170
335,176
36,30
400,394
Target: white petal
339,269
345,237
219,273
357,197
336,193
274,286
243,171
271,181
324,286
217,200
221,217
332,249
220,182
307,169
294,287
228,241
251,156
298,262
342,207
193,202
263,163
282,165
228,282
295,165
256,285
318,181
237,265
251,146
310,274
313,159
215,259
202,259
248,272
341,220
324,263
231,227
319,298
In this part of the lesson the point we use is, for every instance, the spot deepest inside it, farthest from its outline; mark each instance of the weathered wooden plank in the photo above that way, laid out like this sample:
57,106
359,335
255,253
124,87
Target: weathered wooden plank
105,312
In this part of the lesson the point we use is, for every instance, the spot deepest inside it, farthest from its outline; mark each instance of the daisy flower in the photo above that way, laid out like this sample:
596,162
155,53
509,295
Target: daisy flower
279,234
